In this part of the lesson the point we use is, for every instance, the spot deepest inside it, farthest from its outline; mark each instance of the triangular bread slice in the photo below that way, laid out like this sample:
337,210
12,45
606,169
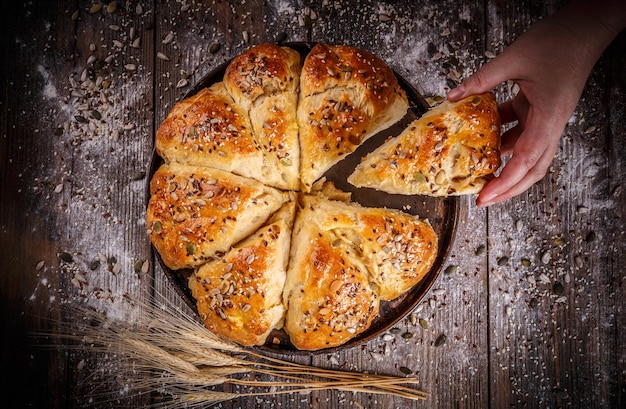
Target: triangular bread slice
453,149
347,95
328,295
263,81
195,212
239,296
397,249
210,129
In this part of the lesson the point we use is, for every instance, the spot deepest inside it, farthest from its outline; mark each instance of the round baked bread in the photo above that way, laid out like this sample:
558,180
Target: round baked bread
240,150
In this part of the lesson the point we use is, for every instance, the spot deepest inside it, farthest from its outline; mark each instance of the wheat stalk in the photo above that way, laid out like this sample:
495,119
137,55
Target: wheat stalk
175,355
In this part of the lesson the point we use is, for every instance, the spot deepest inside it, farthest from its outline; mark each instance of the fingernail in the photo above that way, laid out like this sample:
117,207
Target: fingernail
487,200
457,92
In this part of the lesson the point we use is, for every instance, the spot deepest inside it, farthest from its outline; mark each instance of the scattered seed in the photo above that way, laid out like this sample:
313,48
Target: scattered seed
407,335
578,261
480,250
140,175
508,311
503,260
405,370
162,56
95,8
39,265
112,7
94,264
182,83
423,323
558,288
168,38
191,249
137,265
388,337
526,262
441,339
214,47
534,302
64,256
451,269
546,257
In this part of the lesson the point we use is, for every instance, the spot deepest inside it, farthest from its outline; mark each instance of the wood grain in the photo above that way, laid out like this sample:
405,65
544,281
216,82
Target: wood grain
531,306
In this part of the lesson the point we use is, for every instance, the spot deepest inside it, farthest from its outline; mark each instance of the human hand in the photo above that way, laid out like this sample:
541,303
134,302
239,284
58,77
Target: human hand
550,63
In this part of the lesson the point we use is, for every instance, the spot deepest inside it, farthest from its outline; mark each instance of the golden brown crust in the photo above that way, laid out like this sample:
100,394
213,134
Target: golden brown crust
345,259
262,70
454,149
196,212
239,296
347,95
326,280
399,249
209,129
328,296
263,81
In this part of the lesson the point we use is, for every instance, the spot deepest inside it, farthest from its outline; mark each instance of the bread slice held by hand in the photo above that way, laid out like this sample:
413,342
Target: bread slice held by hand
263,81
347,95
197,212
453,149
239,296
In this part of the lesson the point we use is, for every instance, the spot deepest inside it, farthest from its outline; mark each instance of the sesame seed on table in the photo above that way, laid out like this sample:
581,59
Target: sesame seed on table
529,309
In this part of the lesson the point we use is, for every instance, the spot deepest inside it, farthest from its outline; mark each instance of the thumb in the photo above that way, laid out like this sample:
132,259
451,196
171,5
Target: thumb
486,78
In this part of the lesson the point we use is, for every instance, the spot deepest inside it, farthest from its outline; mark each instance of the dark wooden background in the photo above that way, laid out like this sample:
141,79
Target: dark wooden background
533,308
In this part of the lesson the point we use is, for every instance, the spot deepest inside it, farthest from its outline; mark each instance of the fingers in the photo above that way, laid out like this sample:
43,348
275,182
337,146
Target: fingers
531,158
501,188
509,139
486,78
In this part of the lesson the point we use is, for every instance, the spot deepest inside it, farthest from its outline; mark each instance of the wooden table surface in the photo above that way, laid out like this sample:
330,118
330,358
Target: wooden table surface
532,306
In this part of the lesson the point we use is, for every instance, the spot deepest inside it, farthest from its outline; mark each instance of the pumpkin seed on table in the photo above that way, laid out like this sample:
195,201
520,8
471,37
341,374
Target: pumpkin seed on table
67,257
441,339
558,288
405,370
451,269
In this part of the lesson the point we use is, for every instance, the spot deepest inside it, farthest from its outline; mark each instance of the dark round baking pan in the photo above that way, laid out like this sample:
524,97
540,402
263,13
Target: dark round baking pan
442,213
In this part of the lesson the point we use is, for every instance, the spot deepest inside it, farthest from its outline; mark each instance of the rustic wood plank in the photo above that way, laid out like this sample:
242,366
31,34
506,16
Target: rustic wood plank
550,285
75,163
615,377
